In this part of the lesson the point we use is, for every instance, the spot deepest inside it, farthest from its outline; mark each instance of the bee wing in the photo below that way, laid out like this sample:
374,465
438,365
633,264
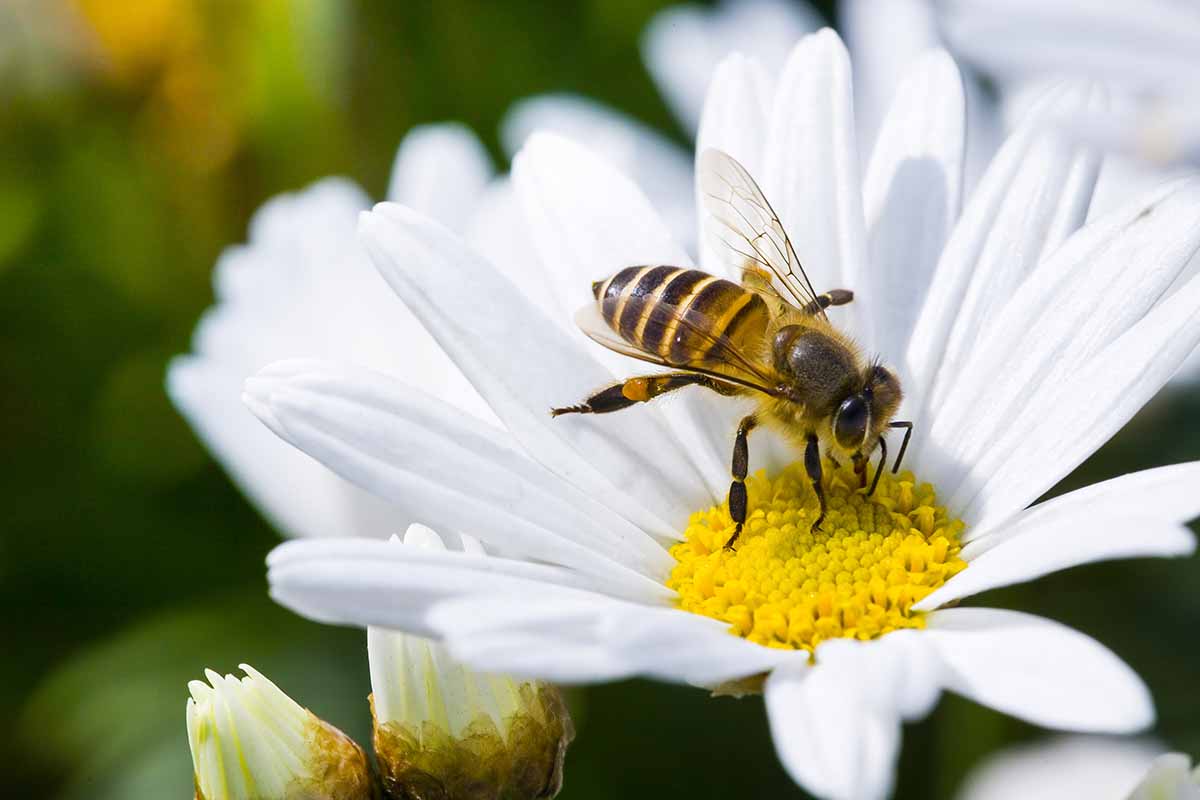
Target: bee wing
736,367
750,230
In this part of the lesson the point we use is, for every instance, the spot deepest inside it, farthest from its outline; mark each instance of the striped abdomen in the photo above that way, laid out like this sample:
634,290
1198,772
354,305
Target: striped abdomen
675,313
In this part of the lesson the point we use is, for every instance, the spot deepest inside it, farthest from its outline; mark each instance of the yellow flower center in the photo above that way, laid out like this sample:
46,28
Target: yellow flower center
787,586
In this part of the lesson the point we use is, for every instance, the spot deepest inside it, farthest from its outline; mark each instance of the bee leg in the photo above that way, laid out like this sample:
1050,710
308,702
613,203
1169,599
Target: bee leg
834,297
833,458
860,469
640,390
737,489
882,465
812,465
908,426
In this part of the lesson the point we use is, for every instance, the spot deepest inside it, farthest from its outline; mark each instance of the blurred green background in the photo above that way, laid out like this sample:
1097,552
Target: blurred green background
135,141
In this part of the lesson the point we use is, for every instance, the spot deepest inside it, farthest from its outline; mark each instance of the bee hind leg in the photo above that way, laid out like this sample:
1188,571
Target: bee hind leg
640,390
737,489
812,465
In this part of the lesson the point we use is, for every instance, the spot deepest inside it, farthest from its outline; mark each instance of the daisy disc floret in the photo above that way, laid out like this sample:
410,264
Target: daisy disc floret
1023,339
790,585
250,741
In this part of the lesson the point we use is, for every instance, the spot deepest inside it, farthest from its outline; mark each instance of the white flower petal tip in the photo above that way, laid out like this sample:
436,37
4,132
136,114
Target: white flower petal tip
661,168
682,44
1074,767
551,169
836,726
1038,670
250,740
812,165
441,170
912,193
734,117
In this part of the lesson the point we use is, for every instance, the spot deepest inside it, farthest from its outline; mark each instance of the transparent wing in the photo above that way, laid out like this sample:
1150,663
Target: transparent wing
726,361
750,230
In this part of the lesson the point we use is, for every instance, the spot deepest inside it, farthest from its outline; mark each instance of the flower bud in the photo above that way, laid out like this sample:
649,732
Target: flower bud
250,741
443,731
1171,777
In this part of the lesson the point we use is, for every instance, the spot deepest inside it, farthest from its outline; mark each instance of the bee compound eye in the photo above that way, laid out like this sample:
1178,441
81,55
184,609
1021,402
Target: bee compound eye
850,422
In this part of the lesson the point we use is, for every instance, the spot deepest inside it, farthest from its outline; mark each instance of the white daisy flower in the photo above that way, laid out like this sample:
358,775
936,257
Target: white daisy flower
1024,341
250,741
444,730
1083,768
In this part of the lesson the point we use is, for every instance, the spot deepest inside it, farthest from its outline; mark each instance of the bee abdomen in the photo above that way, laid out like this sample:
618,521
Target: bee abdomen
678,313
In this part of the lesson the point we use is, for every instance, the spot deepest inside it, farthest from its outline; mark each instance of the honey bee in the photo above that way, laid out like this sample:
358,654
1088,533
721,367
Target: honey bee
767,338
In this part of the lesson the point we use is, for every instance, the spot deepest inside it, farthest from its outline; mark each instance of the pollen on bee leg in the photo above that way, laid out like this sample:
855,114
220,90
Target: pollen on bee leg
788,586
636,389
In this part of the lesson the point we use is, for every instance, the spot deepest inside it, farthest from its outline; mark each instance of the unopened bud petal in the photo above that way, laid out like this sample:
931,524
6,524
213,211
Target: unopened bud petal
444,731
250,741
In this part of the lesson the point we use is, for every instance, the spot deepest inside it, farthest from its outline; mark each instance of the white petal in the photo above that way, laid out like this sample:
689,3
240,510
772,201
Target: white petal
1073,416
735,115
1034,194
292,235
1062,768
365,582
544,636
440,170
587,219
836,726
589,222
1150,45
447,469
1039,671
299,496
662,169
1164,493
499,231
811,175
1036,550
683,44
304,287
523,365
886,39
1078,301
911,195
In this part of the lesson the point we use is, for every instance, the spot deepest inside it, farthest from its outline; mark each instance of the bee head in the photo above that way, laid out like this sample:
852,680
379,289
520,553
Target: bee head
861,417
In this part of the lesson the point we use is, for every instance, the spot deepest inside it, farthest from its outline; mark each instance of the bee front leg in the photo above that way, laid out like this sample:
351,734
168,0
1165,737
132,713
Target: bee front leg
737,489
812,465
860,468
